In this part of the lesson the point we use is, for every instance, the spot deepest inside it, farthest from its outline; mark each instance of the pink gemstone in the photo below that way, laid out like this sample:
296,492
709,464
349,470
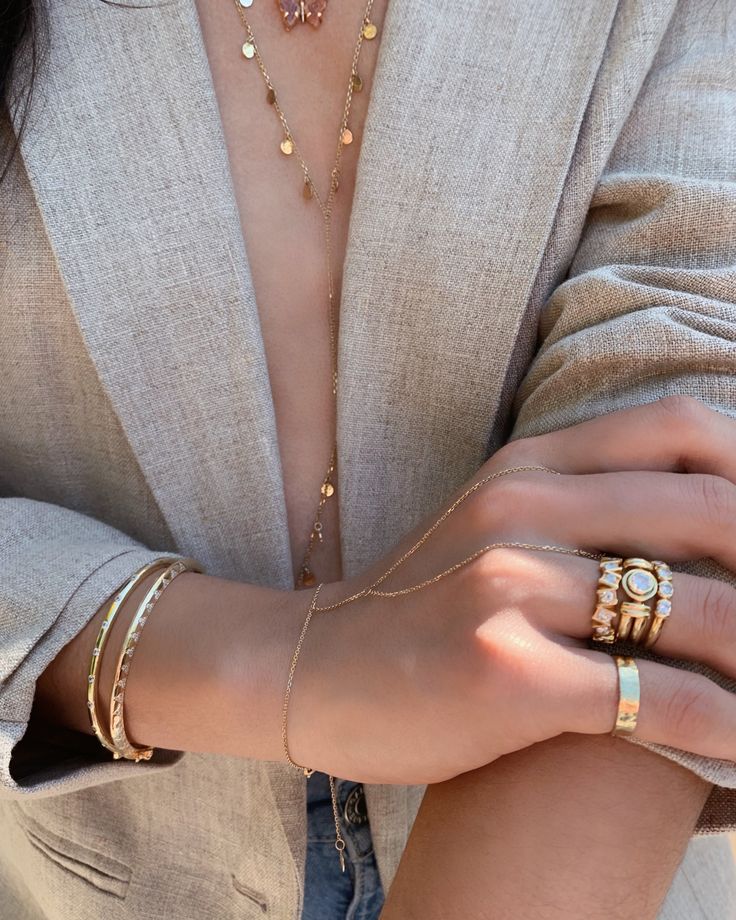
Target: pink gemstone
315,9
290,11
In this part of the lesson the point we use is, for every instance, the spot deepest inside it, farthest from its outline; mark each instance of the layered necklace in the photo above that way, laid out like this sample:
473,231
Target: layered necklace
303,11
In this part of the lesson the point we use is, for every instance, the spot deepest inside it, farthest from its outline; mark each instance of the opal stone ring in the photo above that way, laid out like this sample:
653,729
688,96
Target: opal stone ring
633,600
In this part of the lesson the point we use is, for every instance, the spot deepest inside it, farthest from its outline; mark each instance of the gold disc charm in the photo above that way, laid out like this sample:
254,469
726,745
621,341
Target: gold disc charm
287,146
347,136
249,50
370,30
357,83
328,490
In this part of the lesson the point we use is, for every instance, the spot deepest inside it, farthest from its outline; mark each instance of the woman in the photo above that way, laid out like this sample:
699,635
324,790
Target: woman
167,391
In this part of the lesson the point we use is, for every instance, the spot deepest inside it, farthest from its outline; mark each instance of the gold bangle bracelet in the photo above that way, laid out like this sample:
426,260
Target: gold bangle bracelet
628,696
94,666
123,746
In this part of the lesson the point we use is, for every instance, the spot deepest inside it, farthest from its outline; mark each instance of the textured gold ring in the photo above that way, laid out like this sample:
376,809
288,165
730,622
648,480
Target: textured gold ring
628,696
605,610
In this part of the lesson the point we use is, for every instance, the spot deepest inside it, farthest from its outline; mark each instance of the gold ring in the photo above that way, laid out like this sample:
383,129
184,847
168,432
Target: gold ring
663,606
639,585
628,696
605,611
632,621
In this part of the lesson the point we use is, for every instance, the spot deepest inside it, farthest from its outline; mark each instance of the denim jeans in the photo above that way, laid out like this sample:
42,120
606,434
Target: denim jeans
329,893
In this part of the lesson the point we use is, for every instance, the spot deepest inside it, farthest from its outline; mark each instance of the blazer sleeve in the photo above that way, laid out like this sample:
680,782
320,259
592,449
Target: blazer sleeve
57,566
648,307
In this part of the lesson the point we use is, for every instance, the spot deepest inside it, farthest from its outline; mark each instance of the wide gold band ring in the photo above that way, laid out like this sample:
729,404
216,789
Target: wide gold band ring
628,696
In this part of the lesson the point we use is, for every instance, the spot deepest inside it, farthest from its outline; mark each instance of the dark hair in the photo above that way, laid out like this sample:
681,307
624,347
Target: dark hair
22,44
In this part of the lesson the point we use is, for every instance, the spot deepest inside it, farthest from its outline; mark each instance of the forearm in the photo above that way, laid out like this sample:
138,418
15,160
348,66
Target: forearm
207,675
579,827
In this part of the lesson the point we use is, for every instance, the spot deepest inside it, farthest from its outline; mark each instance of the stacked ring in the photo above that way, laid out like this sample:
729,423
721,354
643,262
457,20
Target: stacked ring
663,607
640,585
607,599
633,600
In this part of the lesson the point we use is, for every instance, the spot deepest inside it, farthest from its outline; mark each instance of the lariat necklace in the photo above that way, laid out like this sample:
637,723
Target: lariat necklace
288,147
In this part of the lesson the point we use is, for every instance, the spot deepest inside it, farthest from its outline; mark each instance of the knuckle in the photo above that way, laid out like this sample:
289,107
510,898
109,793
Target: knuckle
687,708
499,600
686,413
714,497
505,651
718,614
491,577
518,499
521,452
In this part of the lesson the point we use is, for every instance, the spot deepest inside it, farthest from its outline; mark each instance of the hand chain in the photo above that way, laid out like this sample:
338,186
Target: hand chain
370,590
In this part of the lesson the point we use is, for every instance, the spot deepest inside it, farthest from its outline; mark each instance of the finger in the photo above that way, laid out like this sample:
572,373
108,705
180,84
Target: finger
677,708
560,598
678,433
662,515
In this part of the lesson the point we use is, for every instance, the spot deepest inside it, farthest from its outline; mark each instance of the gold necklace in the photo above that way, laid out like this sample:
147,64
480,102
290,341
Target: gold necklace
288,147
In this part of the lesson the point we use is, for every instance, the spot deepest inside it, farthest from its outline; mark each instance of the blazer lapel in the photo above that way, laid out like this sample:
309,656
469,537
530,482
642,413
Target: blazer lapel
130,169
473,120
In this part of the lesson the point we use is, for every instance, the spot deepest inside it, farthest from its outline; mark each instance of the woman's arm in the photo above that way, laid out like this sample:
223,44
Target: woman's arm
211,645
589,827
580,828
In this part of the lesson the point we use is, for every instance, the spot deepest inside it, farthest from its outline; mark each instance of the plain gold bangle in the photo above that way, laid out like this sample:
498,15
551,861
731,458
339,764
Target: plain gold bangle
122,594
123,746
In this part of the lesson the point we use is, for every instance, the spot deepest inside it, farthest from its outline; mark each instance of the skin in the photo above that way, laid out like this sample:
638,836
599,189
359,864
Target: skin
434,696
240,651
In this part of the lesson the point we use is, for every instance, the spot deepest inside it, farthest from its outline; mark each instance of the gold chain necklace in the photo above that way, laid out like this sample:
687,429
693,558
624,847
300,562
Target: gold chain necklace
288,147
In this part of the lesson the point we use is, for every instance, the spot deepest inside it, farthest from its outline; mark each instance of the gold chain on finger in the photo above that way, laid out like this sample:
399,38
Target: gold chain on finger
289,147
370,590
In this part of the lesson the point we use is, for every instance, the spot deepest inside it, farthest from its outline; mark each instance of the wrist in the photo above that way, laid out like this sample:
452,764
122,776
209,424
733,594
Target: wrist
207,672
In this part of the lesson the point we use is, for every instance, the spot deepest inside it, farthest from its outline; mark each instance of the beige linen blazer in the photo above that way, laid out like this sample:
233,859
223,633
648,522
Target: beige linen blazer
544,230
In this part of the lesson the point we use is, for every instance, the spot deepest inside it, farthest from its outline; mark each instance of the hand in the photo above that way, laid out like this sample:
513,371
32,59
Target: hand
421,687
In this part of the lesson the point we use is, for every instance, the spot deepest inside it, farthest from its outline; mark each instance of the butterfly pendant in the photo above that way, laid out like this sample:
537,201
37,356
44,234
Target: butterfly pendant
293,11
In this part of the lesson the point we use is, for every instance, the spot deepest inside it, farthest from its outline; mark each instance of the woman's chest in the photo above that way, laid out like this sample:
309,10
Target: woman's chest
134,375
283,111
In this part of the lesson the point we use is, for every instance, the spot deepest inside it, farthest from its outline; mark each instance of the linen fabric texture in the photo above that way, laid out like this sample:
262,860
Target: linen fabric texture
543,230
